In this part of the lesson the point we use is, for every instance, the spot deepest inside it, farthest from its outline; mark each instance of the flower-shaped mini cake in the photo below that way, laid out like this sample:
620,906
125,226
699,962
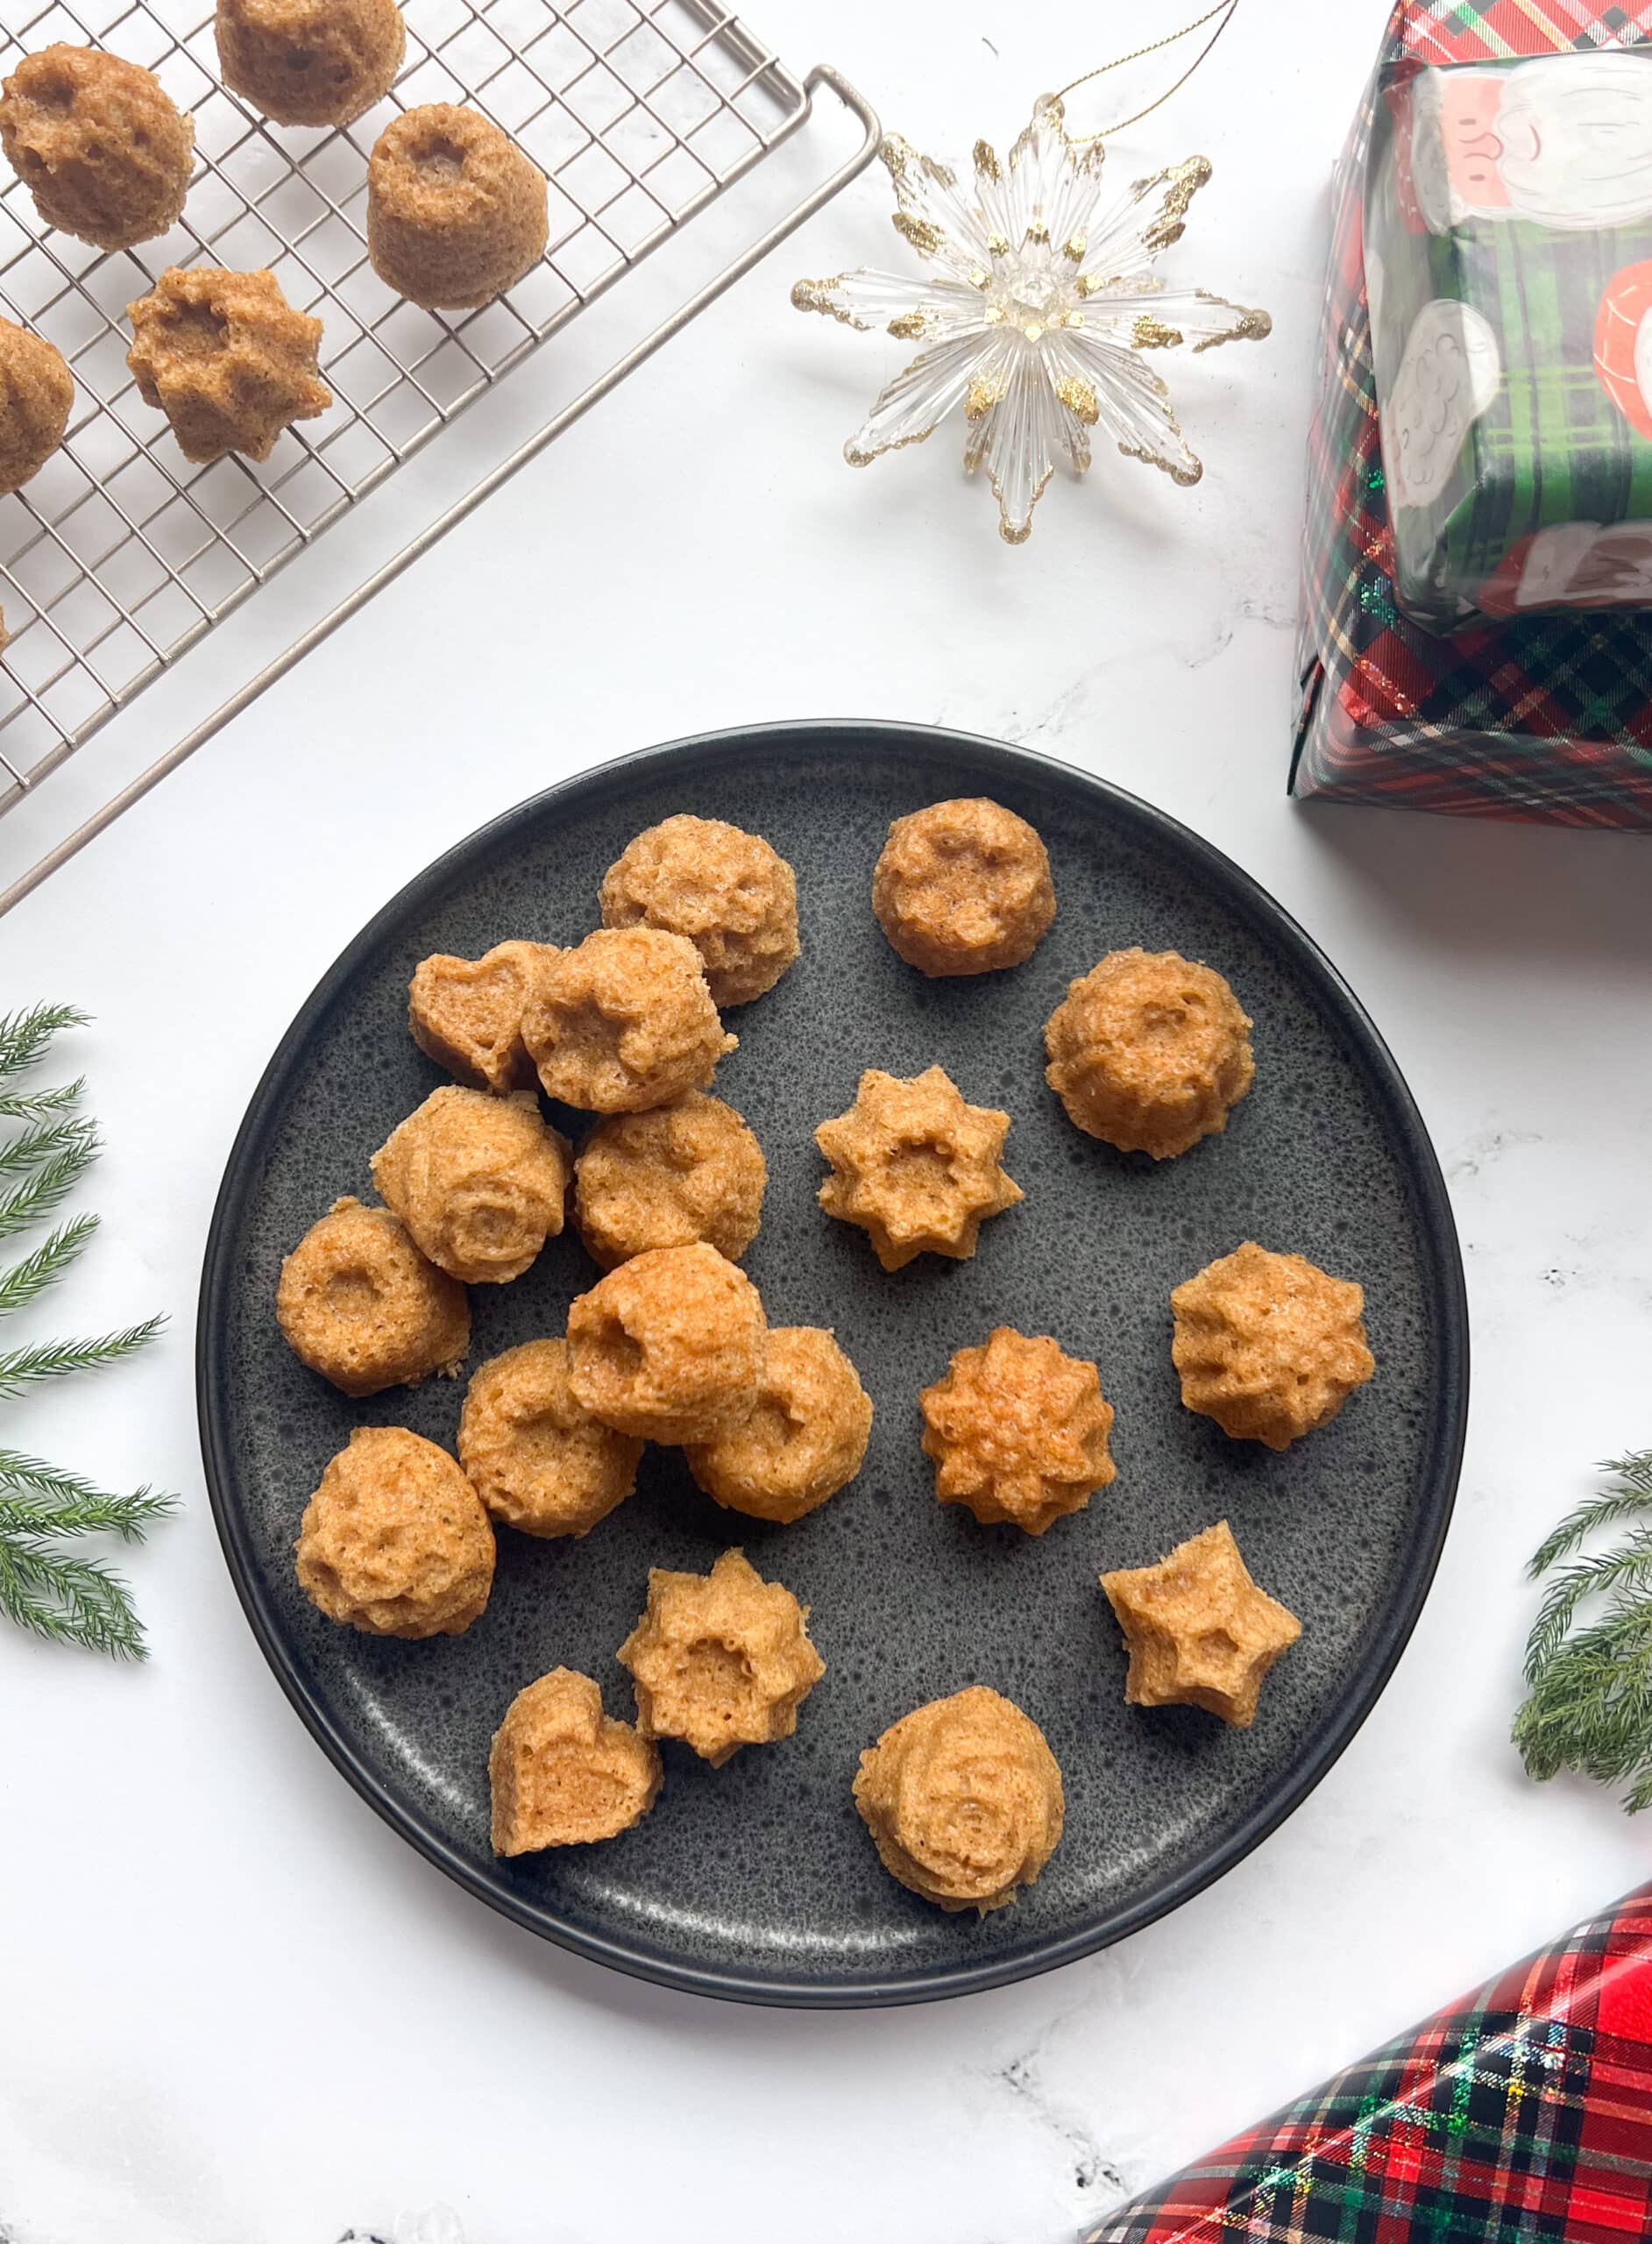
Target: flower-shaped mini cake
361,1304
394,1541
1268,1345
728,892
963,887
562,1773
533,1454
466,1014
226,358
1200,1632
669,1346
101,146
310,61
804,1439
1149,1052
1017,1431
916,1167
624,1021
37,396
456,212
720,1660
479,1182
668,1177
963,1800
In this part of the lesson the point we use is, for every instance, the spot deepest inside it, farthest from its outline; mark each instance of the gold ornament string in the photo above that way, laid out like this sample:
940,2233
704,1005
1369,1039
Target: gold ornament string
1226,9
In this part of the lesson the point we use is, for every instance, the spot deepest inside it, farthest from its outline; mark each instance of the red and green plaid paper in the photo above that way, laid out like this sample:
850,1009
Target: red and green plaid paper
1523,2113
1544,717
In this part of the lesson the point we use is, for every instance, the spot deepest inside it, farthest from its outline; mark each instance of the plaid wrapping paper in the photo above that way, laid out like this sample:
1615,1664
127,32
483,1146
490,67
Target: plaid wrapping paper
1545,717
1524,2111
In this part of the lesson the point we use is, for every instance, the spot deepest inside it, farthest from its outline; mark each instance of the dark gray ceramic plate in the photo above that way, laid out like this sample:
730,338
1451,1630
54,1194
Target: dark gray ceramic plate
757,1880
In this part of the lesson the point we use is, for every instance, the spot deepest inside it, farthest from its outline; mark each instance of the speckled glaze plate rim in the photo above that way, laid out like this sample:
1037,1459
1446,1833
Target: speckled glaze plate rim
797,741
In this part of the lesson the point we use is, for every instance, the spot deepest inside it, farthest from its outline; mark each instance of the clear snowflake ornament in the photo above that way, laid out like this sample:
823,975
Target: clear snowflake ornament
1037,307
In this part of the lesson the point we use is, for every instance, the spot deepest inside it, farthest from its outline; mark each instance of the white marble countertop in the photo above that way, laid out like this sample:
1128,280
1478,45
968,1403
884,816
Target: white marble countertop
236,2008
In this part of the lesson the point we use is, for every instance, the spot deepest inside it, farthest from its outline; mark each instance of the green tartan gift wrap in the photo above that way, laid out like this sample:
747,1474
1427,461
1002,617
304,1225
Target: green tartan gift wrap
1476,634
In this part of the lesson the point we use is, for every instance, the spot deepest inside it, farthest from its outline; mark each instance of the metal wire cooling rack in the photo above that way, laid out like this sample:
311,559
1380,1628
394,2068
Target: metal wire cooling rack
120,556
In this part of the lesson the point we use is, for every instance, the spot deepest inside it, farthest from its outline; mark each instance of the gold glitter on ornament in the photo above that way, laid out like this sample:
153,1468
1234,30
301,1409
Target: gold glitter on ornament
1037,302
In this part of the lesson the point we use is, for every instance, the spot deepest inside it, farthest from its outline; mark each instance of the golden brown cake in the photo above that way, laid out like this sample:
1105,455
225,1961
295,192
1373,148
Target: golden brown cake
395,1542
310,61
624,1021
1268,1345
669,1346
361,1304
226,358
99,144
731,894
479,1182
916,1167
689,1171
963,1800
720,1660
562,1773
1200,1632
536,1458
37,396
963,887
456,212
466,1014
1149,1052
1018,1432
805,1439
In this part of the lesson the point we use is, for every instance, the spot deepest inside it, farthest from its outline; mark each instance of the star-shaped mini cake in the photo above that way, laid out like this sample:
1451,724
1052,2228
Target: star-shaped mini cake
1200,1632
916,1167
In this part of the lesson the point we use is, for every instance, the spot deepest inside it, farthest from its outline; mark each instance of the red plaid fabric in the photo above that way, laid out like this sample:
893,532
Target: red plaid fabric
1542,718
1523,2112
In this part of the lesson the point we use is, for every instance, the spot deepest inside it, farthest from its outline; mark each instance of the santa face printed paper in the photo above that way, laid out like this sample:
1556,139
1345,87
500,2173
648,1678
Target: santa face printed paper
1508,213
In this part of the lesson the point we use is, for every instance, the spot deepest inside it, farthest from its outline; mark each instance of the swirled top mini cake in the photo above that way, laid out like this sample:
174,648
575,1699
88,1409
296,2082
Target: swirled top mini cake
99,143
479,1182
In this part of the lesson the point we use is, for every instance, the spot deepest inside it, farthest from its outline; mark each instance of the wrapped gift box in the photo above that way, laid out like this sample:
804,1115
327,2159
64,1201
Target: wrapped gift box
1512,301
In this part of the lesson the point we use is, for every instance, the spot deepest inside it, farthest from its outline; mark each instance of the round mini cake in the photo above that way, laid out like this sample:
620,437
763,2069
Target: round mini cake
624,1021
395,1542
226,358
804,1439
37,396
720,1660
1149,1052
562,1773
533,1453
1018,1433
733,897
479,1182
359,1303
310,61
668,1177
1269,1345
456,212
99,143
963,1800
669,1346
963,887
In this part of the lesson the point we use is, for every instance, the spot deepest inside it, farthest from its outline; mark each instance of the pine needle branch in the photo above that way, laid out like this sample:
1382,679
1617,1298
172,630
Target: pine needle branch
34,1105
25,1035
40,1196
44,1141
25,1280
21,1367
69,1601
1589,1706
41,1499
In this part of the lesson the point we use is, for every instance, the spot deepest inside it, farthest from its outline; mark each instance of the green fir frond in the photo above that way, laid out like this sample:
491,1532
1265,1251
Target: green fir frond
26,1035
35,1105
1589,1703
26,1280
40,1196
21,1367
43,1141
69,1600
41,1499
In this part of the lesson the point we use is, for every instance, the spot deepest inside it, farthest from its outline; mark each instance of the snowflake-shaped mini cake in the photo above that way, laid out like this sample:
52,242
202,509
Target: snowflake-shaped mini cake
1200,1632
1036,308
916,1167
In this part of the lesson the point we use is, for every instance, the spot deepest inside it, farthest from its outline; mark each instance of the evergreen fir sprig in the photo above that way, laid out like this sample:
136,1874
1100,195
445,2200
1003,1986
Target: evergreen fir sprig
1589,1703
46,1585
